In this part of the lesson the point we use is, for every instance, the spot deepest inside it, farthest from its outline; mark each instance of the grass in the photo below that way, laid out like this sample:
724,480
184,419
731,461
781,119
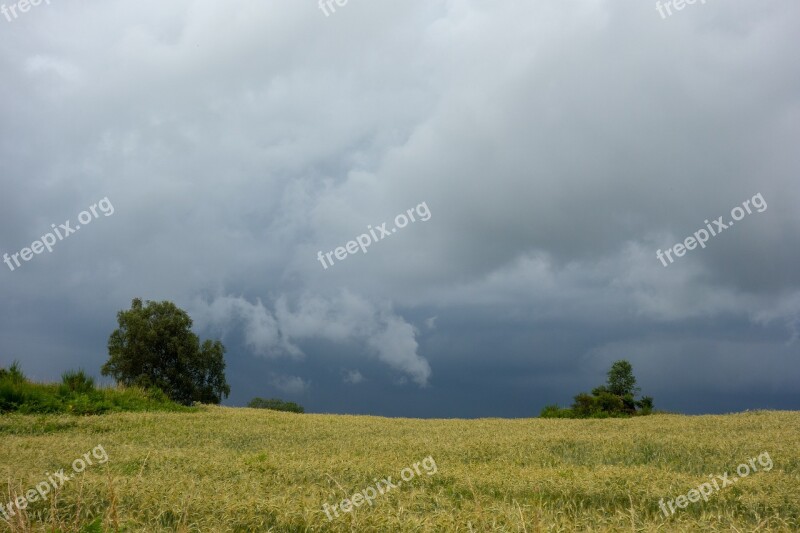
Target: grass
226,469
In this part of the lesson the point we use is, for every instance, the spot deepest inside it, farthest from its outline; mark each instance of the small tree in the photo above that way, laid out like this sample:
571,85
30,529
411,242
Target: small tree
155,347
621,380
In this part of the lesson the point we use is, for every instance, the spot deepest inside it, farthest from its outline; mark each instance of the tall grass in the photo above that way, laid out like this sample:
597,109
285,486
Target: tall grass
242,470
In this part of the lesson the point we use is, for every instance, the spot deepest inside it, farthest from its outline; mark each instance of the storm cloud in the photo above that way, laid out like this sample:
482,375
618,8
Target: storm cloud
558,146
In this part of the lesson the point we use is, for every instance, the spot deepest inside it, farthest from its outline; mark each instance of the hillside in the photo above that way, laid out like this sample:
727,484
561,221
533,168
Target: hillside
225,469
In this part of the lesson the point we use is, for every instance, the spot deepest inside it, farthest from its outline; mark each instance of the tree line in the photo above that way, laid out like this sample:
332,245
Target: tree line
154,351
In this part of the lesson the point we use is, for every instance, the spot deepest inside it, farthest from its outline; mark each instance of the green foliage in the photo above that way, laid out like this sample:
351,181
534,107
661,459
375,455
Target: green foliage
554,411
620,379
645,405
79,382
155,347
13,374
276,405
585,405
76,394
610,403
614,399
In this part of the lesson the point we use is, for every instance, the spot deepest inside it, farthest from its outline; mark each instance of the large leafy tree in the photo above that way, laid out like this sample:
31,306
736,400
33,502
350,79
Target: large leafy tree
154,347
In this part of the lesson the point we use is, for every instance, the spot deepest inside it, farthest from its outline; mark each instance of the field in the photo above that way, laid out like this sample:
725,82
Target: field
225,469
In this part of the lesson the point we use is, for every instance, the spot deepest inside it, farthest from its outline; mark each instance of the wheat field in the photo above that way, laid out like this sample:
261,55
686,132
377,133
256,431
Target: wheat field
231,469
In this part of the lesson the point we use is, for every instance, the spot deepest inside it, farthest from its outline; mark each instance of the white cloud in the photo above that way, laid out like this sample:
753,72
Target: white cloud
261,331
343,317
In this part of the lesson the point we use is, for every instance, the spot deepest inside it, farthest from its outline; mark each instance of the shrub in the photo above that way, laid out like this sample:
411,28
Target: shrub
609,403
76,394
585,405
614,399
77,382
13,374
554,411
276,405
645,405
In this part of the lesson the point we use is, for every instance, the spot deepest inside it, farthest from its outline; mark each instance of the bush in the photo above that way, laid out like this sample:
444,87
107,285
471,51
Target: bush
554,411
276,405
609,403
645,405
614,399
76,394
79,382
13,374
585,405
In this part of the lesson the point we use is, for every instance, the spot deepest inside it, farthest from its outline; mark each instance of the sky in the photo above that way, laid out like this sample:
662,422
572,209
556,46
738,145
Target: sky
515,172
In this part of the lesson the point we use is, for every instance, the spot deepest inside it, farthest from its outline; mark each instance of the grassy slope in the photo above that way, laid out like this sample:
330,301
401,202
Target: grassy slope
223,469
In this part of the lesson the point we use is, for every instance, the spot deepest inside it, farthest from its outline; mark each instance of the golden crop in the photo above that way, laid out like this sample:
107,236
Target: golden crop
225,469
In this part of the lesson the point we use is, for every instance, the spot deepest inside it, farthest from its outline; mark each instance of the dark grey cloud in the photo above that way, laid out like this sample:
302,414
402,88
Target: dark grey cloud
557,146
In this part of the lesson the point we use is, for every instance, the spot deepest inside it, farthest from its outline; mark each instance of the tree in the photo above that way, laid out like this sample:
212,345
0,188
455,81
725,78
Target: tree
155,347
620,379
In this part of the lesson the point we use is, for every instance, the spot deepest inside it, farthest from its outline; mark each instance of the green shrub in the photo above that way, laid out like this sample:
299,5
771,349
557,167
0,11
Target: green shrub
615,399
76,394
13,374
610,403
586,405
276,405
11,396
554,411
77,382
645,405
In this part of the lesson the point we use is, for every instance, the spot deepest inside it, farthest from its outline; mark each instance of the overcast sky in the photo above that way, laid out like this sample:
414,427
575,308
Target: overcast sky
553,146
